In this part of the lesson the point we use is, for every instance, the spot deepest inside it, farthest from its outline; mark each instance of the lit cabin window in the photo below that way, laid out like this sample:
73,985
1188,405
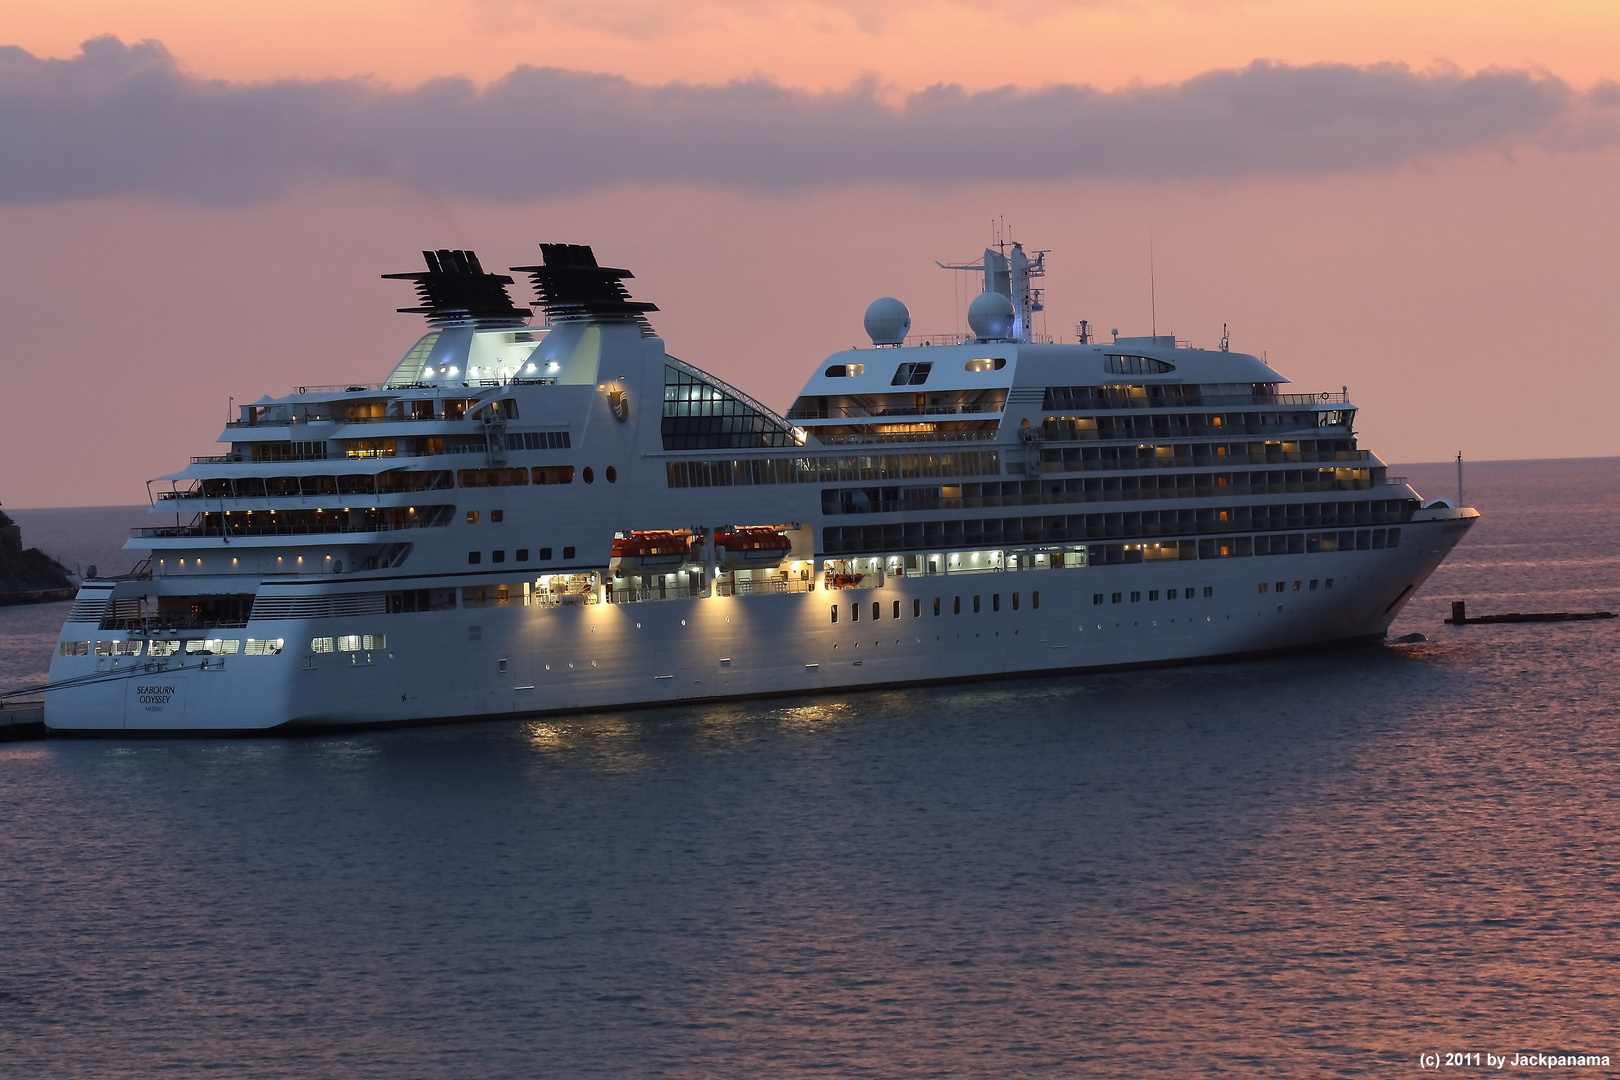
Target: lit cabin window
845,371
322,645
264,646
348,643
374,641
985,363
835,613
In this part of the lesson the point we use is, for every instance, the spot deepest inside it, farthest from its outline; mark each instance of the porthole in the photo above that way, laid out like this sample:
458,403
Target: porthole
588,476
612,474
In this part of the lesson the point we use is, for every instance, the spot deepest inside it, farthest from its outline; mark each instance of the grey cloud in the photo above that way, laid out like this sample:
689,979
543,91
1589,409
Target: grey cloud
127,120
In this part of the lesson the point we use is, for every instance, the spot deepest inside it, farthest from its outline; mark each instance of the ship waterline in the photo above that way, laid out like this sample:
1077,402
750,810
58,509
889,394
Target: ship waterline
530,517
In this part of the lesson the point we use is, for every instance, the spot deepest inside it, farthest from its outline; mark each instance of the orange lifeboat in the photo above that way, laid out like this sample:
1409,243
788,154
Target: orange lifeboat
750,548
653,551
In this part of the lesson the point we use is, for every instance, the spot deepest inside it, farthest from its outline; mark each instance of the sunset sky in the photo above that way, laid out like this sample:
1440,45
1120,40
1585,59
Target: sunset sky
196,199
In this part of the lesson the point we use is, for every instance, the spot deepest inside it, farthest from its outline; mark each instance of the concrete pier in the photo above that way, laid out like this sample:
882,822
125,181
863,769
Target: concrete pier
22,720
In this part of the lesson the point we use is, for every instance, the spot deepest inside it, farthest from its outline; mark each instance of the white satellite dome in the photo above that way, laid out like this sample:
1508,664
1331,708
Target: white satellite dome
990,316
887,321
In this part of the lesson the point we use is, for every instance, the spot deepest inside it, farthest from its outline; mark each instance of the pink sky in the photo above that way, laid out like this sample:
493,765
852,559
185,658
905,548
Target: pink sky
1432,238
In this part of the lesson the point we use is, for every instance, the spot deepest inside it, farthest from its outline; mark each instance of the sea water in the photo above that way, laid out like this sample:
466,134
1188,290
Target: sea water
1328,863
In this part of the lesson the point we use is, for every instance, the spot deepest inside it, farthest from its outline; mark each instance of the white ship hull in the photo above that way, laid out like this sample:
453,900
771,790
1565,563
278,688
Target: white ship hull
530,660
441,545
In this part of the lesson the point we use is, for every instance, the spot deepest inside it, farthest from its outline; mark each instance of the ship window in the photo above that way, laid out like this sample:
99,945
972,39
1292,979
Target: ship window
1096,598
264,646
1117,597
73,648
1264,587
877,610
835,613
916,609
1209,590
845,371
1394,538
936,605
587,476
497,556
1281,585
975,605
1015,601
162,648
854,613
995,602
1313,584
704,415
472,517
1136,365
553,474
1035,599
1153,594
912,374
474,558
986,363
1170,594
1328,583
497,515
612,474
348,643
568,553
1297,584
522,555
956,605
545,554
322,644
1136,596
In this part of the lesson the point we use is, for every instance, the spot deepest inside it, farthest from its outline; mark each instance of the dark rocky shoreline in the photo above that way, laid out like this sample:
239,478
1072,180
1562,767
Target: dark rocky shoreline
28,575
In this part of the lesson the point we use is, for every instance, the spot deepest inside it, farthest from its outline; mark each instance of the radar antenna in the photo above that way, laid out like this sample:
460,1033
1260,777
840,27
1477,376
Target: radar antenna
1009,273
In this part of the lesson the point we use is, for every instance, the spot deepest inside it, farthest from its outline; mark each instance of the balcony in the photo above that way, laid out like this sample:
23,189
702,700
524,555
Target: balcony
847,411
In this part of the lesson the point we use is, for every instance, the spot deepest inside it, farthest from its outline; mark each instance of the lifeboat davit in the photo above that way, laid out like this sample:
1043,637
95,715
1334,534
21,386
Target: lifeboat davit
750,548
655,551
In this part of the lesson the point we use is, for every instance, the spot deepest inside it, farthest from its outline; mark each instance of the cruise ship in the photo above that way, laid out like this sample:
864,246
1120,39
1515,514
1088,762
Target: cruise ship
541,513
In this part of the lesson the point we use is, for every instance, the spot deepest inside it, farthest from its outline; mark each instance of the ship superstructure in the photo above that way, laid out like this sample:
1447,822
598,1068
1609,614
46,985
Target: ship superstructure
531,515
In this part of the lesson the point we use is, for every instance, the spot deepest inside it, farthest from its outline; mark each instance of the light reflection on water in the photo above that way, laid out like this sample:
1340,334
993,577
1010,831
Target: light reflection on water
1319,864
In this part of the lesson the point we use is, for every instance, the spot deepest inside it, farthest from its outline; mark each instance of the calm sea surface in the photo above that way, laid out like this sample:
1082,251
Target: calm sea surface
1314,865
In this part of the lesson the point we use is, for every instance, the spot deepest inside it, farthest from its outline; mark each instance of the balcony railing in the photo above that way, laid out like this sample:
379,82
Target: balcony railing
969,408
171,532
865,439
726,587
1326,399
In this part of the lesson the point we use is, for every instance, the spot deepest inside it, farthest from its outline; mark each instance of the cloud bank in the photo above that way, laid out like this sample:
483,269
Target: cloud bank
122,120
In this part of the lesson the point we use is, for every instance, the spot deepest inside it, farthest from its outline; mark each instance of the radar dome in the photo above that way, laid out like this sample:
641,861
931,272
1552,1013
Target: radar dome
887,321
990,316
